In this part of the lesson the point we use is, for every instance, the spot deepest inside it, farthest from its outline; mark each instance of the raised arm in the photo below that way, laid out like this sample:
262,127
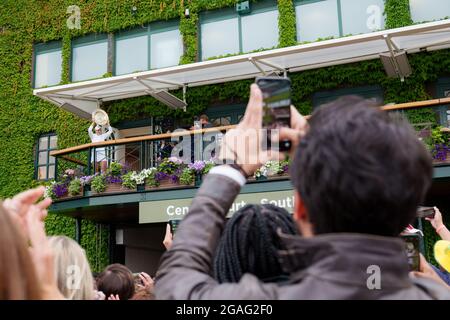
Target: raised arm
107,134
438,224
91,135
185,269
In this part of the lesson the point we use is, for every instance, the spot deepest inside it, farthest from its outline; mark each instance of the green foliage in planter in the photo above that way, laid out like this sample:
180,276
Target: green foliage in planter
187,176
127,182
98,184
208,166
169,166
115,169
151,179
75,187
438,136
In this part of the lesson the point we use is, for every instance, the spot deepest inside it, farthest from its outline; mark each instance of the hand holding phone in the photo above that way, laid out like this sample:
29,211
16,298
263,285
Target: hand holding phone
412,250
426,212
276,107
174,225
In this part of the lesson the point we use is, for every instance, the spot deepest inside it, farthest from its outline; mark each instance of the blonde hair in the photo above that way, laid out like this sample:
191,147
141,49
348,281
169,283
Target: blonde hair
75,280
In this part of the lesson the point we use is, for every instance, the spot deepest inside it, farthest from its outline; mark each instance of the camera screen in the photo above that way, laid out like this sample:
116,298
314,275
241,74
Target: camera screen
412,251
174,225
276,102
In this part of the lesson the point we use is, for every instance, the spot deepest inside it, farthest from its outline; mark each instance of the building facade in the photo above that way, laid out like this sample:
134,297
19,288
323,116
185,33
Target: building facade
54,47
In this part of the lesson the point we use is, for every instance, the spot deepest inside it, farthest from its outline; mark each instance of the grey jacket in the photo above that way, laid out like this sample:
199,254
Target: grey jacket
335,266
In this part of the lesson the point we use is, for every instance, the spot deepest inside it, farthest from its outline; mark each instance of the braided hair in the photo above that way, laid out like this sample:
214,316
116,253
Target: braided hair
250,243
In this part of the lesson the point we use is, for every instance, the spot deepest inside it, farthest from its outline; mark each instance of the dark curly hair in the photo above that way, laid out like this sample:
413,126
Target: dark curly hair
250,243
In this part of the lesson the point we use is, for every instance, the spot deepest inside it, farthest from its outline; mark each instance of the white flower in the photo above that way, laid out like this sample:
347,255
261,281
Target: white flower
140,177
48,193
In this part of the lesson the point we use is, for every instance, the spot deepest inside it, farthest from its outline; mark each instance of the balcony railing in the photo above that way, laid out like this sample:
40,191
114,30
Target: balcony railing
143,163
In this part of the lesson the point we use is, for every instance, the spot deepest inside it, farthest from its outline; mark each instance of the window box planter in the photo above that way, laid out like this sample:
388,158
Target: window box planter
112,188
69,196
444,160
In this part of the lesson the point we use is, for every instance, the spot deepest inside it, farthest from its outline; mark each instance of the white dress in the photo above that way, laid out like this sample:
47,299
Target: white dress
100,154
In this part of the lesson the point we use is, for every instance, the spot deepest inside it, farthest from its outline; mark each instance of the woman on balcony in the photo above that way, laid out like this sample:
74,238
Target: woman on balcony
100,154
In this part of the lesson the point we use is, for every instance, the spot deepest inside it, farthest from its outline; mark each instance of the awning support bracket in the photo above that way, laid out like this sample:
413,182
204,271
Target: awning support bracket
393,49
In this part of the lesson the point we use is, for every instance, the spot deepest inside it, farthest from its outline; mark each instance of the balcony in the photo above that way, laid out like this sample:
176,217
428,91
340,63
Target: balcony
140,169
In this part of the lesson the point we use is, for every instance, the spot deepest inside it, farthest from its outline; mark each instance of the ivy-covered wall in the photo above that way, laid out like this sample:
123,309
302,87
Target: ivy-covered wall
23,117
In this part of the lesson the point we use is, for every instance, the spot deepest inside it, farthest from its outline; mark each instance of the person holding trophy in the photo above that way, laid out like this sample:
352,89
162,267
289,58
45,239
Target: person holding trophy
100,119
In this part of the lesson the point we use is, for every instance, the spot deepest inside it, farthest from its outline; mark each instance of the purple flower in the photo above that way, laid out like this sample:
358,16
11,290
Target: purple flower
175,160
286,168
197,166
174,178
161,176
113,179
59,190
440,152
86,180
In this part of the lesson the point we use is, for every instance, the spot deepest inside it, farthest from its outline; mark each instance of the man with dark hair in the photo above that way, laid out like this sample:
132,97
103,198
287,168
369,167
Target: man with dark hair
204,121
116,282
358,175
359,170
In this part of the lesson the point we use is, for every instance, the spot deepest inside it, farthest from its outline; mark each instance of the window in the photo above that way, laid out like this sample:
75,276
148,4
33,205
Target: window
47,64
45,164
429,10
336,18
317,20
159,45
259,31
89,57
225,115
374,93
362,16
131,53
166,48
227,32
220,38
443,91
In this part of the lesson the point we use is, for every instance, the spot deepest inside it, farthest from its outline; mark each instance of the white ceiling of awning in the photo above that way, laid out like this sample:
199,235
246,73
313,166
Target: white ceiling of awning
82,98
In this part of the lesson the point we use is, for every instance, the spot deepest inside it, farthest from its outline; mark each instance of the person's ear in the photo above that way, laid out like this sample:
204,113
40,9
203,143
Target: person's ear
301,216
300,212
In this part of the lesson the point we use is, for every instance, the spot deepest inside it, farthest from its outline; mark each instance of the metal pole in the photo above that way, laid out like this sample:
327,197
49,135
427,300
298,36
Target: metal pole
89,162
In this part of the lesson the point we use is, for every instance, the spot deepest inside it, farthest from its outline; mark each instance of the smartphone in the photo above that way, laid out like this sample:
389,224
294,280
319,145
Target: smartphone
276,107
425,212
412,250
174,225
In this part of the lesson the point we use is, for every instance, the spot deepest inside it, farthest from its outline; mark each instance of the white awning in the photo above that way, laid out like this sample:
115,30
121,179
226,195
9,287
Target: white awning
83,98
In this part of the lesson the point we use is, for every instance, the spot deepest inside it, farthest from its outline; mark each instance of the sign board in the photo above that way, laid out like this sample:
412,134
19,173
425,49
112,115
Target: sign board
165,210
